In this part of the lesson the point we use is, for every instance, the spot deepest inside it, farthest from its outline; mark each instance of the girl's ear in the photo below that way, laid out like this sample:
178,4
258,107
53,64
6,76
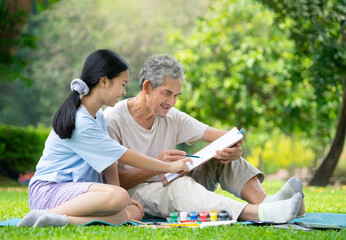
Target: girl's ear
103,82
147,86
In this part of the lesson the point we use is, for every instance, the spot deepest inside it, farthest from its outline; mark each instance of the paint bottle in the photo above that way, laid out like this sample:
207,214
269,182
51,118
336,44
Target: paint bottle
183,216
174,217
224,216
203,216
213,216
193,216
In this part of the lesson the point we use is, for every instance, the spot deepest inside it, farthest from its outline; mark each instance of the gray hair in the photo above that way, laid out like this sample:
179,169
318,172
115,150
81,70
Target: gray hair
159,67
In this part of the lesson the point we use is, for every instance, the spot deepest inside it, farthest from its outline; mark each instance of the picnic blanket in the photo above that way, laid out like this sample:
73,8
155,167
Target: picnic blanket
317,218
14,221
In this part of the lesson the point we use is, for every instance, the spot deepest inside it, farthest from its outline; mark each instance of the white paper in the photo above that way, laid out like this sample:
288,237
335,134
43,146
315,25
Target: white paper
227,140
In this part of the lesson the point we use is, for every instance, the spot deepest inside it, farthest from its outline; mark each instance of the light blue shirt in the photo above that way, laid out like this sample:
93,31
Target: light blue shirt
81,158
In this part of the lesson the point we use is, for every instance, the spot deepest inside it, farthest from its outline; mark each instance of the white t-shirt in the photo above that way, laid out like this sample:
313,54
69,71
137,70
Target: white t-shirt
82,157
177,127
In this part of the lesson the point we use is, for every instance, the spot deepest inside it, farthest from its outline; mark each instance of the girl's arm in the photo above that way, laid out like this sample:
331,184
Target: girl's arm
139,160
110,175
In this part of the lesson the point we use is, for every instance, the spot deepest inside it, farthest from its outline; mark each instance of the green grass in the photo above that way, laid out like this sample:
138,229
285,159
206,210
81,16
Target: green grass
14,203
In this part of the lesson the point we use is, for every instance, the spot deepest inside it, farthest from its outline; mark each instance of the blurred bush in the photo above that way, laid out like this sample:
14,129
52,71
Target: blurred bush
20,149
280,152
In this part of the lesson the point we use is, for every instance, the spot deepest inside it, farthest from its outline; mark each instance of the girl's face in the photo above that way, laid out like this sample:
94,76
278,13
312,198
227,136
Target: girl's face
115,88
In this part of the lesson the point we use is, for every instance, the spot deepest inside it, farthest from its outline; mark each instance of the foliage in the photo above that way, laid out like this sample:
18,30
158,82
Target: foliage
281,152
20,148
244,70
12,37
317,27
66,35
11,66
53,65
238,66
13,203
144,28
318,30
17,104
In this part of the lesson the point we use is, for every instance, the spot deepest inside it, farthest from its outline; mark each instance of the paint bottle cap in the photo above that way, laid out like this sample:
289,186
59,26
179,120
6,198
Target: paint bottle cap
193,216
183,216
203,216
223,215
174,217
213,216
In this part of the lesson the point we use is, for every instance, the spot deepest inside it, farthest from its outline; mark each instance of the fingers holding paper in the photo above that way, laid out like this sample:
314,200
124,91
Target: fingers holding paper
227,155
180,166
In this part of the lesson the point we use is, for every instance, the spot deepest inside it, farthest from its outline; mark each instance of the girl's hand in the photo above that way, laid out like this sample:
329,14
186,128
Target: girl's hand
179,166
138,204
171,155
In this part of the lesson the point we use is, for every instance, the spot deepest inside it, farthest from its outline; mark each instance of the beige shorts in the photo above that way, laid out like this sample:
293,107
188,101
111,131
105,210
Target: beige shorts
195,191
232,177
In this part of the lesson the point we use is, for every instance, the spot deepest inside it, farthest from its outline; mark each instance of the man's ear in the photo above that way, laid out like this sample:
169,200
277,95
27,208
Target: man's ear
147,86
103,82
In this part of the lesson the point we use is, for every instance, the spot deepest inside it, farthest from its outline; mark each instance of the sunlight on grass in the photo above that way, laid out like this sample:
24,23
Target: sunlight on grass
14,204
317,199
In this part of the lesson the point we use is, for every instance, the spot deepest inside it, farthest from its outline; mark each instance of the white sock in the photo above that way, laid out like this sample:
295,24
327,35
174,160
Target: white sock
30,218
280,211
291,187
51,219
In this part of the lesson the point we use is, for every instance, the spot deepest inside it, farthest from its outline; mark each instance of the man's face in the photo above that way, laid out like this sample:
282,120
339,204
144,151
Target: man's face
162,98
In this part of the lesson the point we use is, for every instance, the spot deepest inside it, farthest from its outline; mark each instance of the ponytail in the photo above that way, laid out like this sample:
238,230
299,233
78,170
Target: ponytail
65,117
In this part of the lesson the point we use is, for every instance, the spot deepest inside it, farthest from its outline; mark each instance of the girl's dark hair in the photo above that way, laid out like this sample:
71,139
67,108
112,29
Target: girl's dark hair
98,64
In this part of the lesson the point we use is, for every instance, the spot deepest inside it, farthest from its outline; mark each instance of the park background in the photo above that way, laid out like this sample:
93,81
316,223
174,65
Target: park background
274,68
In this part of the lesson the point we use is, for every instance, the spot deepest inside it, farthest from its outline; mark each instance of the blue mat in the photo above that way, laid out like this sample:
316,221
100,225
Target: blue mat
13,222
320,218
323,218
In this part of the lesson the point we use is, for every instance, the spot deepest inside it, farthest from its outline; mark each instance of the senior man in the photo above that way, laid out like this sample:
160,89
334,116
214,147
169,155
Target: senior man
149,123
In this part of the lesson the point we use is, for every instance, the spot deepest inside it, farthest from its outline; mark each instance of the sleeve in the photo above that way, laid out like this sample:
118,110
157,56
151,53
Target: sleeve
113,128
190,130
93,145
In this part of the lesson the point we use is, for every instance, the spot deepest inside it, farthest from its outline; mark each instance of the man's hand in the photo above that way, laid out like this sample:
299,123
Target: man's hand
227,155
171,155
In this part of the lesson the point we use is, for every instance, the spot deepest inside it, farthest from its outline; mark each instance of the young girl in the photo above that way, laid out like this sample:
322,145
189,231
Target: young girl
68,186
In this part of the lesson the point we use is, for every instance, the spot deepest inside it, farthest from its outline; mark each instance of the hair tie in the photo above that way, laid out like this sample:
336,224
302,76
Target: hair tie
79,86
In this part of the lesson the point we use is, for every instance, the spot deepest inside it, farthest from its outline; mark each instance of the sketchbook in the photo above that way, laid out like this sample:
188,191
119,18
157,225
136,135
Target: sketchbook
207,153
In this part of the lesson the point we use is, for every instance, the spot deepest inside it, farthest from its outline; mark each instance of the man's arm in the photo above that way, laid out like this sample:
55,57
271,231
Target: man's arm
131,177
211,134
134,176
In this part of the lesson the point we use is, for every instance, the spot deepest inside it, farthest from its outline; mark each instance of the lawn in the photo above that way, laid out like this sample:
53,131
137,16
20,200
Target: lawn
13,203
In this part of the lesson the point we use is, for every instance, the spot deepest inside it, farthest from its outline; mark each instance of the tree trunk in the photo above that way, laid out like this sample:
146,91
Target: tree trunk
10,30
325,171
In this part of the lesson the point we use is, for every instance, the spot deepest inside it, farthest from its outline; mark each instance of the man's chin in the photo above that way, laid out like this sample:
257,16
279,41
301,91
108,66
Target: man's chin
162,115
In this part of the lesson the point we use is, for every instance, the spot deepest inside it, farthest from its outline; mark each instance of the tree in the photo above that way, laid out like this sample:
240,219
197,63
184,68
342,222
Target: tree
239,69
13,17
16,95
318,29
144,29
66,35
244,69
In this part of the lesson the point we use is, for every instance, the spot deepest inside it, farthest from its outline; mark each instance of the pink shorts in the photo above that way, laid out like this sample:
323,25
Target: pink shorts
47,195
